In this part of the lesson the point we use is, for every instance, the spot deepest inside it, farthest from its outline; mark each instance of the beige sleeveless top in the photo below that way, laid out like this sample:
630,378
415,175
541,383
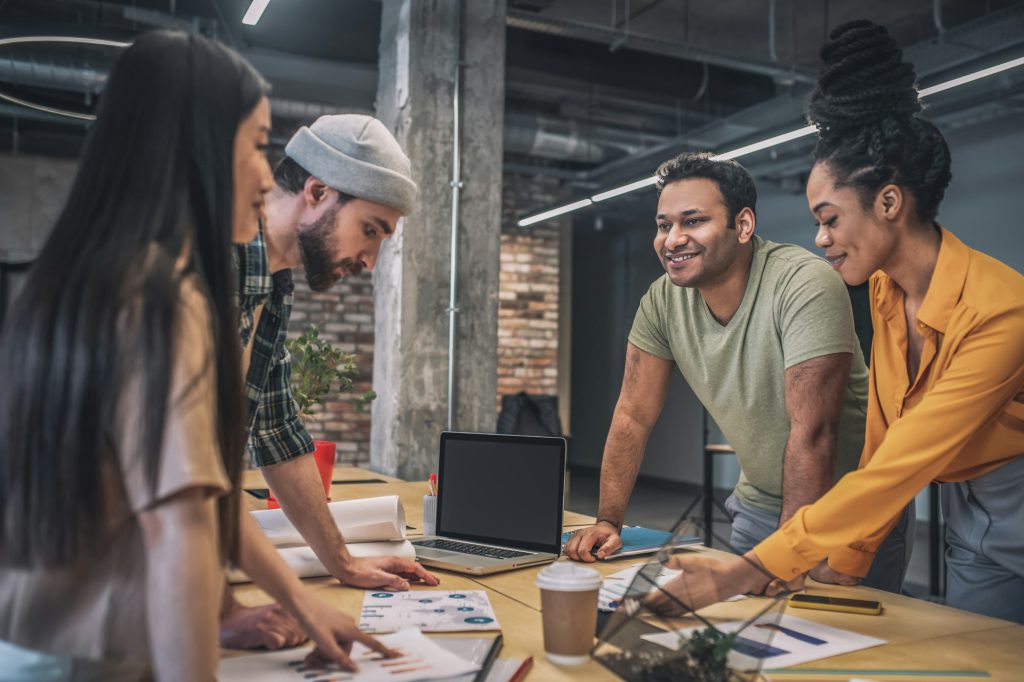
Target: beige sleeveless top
96,608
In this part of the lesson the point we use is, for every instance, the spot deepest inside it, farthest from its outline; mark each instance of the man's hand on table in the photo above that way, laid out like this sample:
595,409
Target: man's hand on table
386,572
824,573
706,581
602,535
259,627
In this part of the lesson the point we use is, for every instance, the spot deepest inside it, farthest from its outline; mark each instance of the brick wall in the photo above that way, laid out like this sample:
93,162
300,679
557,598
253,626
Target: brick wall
528,290
344,315
528,313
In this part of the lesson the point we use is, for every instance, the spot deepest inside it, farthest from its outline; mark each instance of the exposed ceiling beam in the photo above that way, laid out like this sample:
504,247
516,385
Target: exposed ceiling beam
965,43
530,21
961,45
319,80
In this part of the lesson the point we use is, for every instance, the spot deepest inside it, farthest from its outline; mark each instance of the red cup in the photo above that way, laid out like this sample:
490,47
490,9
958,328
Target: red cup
324,455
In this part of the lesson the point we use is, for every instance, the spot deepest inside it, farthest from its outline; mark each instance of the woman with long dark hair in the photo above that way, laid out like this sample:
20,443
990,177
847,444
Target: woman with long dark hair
946,392
121,431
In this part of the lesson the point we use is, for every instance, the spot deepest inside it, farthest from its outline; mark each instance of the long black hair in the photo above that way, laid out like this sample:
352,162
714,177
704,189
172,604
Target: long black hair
99,310
865,108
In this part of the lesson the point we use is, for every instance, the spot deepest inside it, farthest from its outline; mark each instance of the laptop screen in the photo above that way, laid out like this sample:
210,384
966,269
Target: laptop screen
501,489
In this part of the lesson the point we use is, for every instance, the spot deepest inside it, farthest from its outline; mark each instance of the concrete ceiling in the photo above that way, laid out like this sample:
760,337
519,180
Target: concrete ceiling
763,58
742,29
591,97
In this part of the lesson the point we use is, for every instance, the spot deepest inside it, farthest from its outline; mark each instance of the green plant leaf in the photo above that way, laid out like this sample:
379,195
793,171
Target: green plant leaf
317,367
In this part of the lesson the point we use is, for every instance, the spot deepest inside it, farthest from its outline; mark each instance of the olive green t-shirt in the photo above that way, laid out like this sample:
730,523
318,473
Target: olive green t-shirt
794,308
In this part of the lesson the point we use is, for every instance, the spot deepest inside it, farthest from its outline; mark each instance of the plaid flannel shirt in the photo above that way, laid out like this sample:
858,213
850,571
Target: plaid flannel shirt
275,432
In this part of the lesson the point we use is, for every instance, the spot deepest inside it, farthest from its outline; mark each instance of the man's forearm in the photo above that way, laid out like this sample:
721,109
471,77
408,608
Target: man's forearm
297,486
623,453
814,403
807,469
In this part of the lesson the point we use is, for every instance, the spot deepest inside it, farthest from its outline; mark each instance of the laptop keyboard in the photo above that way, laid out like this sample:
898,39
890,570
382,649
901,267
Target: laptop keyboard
467,548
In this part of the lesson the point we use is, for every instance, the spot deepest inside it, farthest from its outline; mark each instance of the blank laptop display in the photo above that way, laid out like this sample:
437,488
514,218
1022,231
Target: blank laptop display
502,490
503,493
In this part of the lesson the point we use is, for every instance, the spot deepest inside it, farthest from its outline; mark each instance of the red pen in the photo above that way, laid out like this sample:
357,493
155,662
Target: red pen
432,484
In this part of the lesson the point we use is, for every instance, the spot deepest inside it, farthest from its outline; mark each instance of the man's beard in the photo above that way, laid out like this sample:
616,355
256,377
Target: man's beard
321,270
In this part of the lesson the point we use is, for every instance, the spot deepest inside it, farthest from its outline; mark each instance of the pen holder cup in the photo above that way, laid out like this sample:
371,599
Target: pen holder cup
429,514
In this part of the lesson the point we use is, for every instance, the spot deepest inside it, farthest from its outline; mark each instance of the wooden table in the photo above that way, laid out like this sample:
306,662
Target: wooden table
920,635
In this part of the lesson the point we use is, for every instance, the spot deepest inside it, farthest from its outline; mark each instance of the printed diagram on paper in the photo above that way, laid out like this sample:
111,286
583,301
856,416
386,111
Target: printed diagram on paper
776,641
428,610
421,659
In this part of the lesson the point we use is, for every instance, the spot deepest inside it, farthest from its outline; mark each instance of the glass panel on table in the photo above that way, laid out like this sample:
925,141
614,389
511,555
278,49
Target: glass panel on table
653,633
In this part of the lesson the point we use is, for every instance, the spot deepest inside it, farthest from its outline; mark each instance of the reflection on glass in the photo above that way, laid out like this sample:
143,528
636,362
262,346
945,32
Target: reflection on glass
654,635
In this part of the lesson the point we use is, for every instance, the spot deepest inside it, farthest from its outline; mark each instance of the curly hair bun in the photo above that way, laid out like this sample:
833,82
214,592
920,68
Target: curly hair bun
863,80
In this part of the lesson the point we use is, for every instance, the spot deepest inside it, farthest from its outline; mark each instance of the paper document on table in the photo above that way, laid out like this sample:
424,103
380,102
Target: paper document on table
794,641
370,520
421,659
371,527
615,586
428,610
305,563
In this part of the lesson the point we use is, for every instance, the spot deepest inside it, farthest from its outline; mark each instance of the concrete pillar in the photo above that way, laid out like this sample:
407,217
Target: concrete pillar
411,282
33,190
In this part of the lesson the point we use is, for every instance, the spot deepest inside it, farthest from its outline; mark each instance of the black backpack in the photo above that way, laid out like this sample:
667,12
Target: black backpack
523,414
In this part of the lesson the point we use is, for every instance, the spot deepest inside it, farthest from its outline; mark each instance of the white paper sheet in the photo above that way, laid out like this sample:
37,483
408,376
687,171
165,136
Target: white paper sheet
372,527
421,660
305,563
373,519
428,610
778,642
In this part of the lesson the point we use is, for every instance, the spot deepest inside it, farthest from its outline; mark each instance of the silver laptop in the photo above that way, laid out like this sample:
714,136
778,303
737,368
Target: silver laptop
499,503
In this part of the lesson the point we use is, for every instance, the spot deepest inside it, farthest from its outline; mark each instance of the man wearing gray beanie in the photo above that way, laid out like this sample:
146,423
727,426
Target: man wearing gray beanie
338,194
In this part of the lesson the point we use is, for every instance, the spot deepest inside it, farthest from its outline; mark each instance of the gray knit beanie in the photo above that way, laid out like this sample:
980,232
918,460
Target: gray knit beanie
357,155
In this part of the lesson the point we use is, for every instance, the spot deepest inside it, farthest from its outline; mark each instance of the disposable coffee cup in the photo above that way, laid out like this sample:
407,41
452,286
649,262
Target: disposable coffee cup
568,597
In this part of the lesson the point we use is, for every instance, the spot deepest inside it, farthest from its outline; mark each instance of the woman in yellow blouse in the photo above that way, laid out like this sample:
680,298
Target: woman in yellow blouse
946,399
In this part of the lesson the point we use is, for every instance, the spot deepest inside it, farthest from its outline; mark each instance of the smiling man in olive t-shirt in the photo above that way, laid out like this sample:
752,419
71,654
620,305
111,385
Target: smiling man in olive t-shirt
763,333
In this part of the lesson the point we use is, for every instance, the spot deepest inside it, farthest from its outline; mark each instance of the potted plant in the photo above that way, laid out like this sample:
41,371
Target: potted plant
318,371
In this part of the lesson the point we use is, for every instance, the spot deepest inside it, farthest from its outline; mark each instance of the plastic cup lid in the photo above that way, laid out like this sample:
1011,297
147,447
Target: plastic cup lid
568,576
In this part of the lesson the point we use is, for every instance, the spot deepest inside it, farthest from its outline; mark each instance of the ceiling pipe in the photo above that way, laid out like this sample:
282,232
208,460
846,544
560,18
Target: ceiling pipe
567,140
61,73
58,73
771,31
937,17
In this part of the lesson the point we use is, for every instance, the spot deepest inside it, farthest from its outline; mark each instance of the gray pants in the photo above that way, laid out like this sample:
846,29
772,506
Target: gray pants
985,542
751,525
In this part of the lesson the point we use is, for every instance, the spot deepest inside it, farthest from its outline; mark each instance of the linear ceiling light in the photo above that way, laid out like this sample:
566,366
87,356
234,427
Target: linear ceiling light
255,11
758,146
971,77
79,40
625,189
568,208
765,144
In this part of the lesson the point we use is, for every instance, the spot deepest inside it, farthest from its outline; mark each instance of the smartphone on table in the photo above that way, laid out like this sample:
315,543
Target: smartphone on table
823,603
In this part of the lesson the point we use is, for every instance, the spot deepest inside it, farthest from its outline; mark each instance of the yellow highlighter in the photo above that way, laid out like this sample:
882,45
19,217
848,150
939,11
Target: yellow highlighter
822,603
